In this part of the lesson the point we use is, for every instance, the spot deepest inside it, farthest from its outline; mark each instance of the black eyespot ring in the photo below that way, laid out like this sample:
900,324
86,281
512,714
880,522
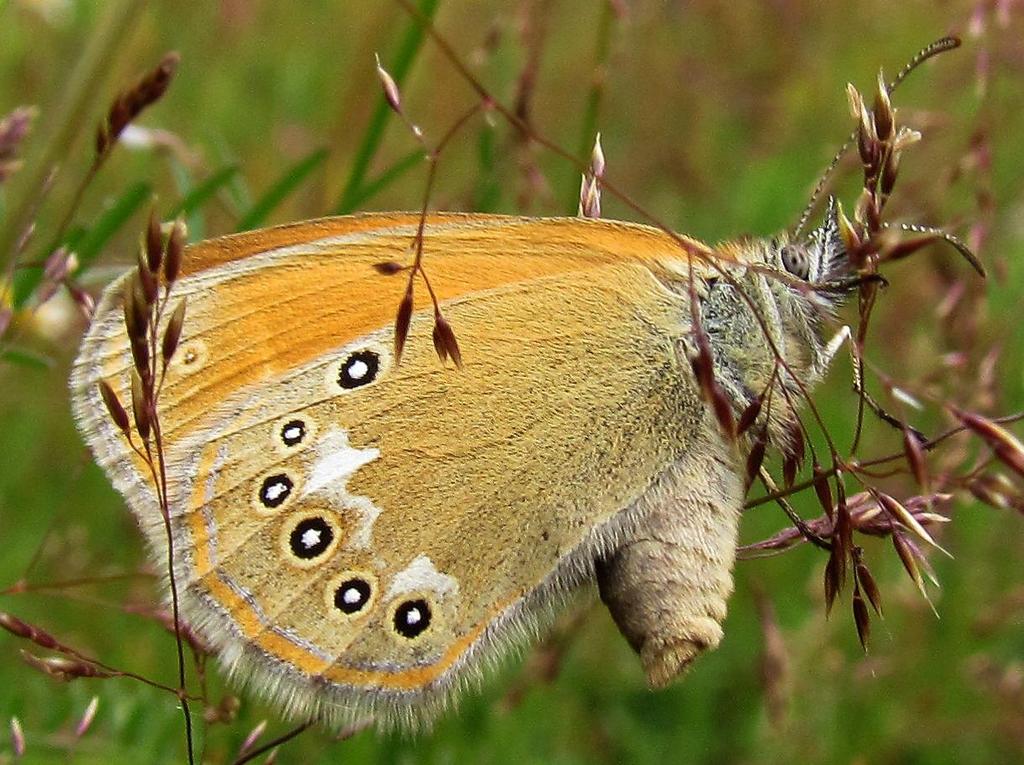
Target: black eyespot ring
310,538
796,260
292,432
275,490
352,595
412,618
360,368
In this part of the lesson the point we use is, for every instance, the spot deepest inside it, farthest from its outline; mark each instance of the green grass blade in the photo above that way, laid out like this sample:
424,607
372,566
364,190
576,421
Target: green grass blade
488,189
110,222
24,358
93,64
382,181
202,193
194,223
398,67
87,243
277,193
595,99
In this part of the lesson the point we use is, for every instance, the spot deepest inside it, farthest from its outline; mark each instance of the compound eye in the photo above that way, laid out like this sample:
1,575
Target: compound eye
796,260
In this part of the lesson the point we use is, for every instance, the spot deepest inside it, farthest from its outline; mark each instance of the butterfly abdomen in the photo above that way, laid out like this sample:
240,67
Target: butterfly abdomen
666,585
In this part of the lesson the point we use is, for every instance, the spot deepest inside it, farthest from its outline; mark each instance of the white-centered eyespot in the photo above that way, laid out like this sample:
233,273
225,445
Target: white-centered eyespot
274,490
292,433
310,540
190,357
358,369
359,364
412,618
351,594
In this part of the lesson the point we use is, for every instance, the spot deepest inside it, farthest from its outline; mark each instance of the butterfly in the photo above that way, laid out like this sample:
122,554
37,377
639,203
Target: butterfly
357,533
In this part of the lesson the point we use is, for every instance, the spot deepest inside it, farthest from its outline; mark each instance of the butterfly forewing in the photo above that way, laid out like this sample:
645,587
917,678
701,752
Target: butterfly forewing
350,529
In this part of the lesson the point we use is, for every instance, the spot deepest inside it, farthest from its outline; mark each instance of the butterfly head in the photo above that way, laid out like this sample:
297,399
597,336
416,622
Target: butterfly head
820,259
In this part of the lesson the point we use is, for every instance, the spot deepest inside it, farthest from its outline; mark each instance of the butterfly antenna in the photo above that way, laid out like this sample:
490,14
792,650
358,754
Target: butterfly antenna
939,46
958,244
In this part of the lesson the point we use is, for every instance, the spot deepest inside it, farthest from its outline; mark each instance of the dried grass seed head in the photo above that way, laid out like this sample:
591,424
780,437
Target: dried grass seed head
129,104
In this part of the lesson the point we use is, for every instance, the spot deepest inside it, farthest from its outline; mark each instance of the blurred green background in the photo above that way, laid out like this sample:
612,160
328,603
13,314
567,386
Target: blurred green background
716,117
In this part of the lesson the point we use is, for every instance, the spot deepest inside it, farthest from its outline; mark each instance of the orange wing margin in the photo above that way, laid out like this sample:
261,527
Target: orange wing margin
632,240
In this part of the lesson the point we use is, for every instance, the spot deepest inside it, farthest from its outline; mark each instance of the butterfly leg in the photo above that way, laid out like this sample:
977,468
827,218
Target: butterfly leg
832,348
666,585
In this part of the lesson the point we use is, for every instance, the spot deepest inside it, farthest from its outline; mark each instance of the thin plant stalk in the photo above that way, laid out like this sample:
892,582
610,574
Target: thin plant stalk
96,61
